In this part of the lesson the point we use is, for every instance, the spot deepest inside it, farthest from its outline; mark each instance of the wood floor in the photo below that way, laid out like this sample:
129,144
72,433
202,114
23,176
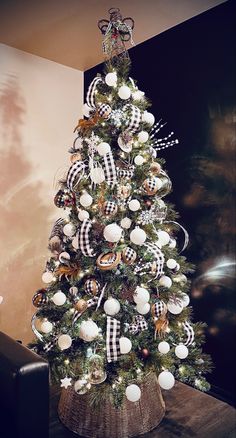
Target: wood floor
189,414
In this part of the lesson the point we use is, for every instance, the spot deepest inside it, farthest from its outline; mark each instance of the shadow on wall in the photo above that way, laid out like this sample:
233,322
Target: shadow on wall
23,220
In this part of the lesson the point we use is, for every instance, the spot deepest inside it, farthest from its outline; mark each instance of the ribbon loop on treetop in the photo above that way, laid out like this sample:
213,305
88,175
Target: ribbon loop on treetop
115,32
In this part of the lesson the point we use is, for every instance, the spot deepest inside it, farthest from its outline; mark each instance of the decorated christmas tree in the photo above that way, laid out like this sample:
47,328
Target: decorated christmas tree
115,305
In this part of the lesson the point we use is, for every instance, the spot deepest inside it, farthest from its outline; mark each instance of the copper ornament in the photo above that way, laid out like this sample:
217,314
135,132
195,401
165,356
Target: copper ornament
40,298
81,305
108,261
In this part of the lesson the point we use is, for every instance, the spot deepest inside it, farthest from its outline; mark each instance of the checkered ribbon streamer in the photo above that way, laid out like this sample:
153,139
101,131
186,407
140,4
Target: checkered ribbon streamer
158,309
57,229
84,243
110,169
90,98
49,345
125,173
112,339
135,118
158,257
138,325
92,302
109,208
75,173
189,332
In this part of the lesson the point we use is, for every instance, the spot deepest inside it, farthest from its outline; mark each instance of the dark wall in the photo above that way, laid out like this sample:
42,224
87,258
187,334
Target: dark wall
189,74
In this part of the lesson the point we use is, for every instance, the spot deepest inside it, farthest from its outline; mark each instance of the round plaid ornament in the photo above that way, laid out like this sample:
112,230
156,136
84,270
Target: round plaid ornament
64,199
92,286
158,308
129,256
104,111
40,298
109,208
152,185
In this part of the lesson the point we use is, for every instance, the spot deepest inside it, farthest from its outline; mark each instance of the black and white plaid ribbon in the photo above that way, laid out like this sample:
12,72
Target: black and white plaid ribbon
75,173
90,98
110,169
134,119
159,308
112,339
57,229
125,173
92,302
84,243
109,207
189,332
138,325
158,257
49,345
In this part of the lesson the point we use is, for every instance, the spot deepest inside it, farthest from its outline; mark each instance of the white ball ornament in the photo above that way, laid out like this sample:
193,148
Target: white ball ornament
86,200
143,309
148,118
64,342
88,331
126,222
163,347
181,351
125,345
112,232
172,243
111,79
163,237
59,298
165,281
75,242
138,160
46,327
143,136
86,110
82,215
133,393
171,263
166,380
124,92
174,308
97,175
141,295
185,300
69,230
47,277
138,95
134,205
103,148
177,268
111,306
138,236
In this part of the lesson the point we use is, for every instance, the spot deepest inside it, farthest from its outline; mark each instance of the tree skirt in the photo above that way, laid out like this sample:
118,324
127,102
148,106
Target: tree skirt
105,421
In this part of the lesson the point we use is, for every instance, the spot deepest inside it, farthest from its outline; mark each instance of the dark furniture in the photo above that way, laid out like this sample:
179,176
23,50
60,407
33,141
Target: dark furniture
24,391
189,414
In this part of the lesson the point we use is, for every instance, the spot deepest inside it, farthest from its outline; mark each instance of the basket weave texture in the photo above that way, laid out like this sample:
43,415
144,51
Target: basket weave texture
106,421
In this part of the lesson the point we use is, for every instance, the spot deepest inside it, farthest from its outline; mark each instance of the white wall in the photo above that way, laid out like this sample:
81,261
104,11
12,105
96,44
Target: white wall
40,103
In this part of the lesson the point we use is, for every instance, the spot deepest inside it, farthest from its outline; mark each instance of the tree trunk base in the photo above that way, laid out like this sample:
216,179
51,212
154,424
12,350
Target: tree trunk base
130,420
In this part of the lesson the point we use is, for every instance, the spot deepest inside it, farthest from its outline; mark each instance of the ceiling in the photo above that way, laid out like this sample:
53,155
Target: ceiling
65,31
